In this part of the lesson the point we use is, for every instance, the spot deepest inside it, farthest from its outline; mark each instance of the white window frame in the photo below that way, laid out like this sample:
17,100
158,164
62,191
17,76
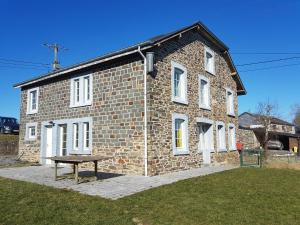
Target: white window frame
218,138
183,99
229,104
29,101
83,100
211,52
210,134
86,130
185,149
75,132
229,127
202,105
28,136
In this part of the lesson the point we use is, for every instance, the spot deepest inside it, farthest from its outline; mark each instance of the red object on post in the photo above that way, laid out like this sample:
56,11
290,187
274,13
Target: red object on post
239,146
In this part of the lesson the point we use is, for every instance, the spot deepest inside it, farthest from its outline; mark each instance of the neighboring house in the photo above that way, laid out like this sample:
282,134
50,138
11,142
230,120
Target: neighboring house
98,107
251,132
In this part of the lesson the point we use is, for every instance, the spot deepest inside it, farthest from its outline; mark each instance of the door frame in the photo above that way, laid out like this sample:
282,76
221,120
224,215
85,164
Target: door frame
43,147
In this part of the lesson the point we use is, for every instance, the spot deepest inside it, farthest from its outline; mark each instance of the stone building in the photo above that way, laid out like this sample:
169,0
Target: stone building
251,132
183,116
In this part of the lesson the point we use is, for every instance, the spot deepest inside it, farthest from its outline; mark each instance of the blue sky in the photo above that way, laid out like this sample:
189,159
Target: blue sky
92,28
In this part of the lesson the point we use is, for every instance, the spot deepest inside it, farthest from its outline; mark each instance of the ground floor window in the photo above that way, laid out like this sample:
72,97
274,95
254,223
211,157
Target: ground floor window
31,131
206,136
63,139
231,137
180,134
221,140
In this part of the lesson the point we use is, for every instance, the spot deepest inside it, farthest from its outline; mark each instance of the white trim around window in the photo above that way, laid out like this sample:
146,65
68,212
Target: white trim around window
32,100
81,91
209,60
204,92
179,83
231,137
221,136
230,102
206,134
180,134
31,131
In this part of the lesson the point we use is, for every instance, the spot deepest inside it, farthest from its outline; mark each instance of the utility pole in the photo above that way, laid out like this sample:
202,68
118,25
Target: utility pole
55,47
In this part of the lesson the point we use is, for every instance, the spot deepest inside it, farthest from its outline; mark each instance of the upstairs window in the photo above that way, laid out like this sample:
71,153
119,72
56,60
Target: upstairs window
32,100
204,93
180,134
230,102
209,60
221,143
81,91
231,137
179,83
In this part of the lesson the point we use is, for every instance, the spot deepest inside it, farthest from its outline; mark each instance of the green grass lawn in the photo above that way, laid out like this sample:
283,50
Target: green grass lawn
241,196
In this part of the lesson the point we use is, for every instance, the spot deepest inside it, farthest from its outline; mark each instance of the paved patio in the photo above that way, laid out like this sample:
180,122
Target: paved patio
112,186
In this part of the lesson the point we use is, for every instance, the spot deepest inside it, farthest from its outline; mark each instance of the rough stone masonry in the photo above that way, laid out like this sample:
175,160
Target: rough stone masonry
117,108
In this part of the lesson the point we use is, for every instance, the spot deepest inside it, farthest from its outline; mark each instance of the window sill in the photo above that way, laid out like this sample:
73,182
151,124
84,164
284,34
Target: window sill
205,107
222,150
180,101
81,105
31,112
30,139
210,72
181,152
231,114
80,153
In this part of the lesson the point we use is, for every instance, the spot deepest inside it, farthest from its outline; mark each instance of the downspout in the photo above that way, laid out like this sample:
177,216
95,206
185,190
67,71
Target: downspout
145,113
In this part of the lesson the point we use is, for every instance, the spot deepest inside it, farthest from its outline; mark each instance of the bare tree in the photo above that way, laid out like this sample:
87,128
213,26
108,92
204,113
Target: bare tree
296,114
266,111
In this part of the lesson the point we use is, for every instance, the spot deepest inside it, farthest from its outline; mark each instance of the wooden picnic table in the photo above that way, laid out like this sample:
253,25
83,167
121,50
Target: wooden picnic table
75,160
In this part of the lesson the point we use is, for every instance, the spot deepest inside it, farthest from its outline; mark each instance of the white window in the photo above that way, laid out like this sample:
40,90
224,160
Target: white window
204,92
31,131
81,91
63,139
86,135
206,141
230,102
231,137
221,140
75,136
209,60
180,134
32,100
179,83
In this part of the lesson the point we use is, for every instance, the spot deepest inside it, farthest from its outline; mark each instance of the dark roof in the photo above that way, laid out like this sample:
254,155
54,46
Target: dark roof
146,45
247,119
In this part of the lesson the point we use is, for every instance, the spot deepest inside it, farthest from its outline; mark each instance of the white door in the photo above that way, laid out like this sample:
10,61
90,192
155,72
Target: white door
206,157
205,142
48,143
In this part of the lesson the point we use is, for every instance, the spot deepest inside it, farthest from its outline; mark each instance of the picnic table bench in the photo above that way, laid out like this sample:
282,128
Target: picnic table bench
76,160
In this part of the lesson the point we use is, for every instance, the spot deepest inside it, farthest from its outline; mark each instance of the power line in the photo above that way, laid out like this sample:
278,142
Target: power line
271,67
268,61
26,65
21,61
55,47
20,67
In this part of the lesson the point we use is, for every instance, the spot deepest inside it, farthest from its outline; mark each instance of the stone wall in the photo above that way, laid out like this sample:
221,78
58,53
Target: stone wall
116,112
117,109
189,52
248,138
